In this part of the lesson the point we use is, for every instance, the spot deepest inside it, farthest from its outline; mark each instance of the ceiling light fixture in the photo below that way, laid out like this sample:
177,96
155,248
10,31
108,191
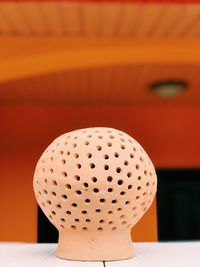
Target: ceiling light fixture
169,88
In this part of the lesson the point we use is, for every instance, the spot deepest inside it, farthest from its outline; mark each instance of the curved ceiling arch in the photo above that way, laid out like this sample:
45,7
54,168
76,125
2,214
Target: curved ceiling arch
18,67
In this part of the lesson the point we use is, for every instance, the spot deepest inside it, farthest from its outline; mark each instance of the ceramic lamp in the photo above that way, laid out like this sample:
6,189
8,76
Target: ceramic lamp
94,185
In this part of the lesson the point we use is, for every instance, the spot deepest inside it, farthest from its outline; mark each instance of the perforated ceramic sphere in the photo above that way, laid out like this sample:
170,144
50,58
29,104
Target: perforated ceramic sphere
94,183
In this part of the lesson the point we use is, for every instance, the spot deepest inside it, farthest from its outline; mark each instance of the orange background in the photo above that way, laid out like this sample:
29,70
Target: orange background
170,135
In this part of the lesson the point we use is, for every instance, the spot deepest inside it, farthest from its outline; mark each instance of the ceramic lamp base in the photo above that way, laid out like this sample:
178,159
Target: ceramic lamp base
83,246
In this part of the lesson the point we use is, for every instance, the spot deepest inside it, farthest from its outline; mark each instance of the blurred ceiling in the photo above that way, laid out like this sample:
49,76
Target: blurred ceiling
110,85
98,52
83,18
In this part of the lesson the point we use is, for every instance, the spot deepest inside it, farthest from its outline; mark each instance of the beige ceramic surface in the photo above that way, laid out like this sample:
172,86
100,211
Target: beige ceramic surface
94,184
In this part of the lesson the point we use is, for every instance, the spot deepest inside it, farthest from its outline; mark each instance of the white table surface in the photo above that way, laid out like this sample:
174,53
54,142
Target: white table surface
185,254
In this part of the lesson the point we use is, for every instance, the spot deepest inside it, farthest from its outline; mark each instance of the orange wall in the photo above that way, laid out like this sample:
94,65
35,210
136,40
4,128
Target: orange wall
18,207
169,134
